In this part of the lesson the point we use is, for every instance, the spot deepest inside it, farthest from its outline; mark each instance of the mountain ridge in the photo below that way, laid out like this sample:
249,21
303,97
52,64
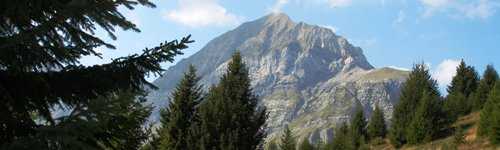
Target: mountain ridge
305,75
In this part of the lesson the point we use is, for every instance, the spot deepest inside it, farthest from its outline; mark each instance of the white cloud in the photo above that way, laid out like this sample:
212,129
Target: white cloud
471,9
334,29
482,9
278,5
445,72
201,13
339,3
400,18
436,3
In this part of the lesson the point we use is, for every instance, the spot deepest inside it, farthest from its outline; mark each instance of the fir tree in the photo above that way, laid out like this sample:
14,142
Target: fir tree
114,121
487,82
272,146
463,84
306,145
358,127
487,116
411,94
178,118
425,126
287,140
342,139
40,47
377,127
494,134
230,116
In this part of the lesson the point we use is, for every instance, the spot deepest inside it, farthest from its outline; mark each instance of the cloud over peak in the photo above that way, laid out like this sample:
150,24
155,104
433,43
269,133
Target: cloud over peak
201,13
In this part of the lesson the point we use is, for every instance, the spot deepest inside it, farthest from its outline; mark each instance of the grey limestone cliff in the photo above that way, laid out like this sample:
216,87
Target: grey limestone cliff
306,75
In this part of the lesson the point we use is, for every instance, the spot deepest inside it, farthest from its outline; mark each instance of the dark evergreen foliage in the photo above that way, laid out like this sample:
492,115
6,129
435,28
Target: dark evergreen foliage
287,140
376,126
487,82
426,124
342,139
358,127
306,145
489,123
230,116
463,84
108,122
40,45
411,94
179,117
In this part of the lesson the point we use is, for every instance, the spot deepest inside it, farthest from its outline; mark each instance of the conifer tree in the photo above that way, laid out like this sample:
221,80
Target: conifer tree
487,82
230,116
177,119
463,84
494,134
114,121
358,127
287,140
40,47
487,116
425,125
376,126
306,145
342,139
272,146
411,94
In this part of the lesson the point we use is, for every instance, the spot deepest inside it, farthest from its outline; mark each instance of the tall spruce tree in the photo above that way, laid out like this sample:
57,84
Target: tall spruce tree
463,84
487,116
114,121
178,118
230,116
342,139
426,124
487,82
376,126
358,127
306,145
411,94
494,134
287,140
41,43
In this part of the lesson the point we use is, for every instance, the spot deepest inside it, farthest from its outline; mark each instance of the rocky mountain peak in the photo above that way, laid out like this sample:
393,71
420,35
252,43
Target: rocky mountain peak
305,75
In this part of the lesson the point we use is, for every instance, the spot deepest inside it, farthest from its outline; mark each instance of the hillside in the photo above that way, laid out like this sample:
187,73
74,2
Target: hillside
469,123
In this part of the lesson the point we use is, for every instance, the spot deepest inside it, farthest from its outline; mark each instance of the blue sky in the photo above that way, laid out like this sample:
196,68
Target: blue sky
391,32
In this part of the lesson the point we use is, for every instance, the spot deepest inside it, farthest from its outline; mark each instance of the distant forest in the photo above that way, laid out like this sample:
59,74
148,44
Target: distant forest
41,43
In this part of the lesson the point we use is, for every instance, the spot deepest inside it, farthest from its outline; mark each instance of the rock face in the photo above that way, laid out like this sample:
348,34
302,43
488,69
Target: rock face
306,75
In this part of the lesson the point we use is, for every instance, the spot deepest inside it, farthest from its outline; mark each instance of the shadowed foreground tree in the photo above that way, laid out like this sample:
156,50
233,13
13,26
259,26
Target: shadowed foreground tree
41,43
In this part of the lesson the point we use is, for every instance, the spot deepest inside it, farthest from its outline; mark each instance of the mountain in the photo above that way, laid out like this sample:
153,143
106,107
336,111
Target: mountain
306,75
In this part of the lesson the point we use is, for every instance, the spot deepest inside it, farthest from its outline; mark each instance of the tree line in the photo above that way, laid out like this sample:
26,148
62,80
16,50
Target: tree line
356,134
421,115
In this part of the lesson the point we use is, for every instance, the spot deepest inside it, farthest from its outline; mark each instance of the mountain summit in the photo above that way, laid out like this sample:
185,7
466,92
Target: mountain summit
306,75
